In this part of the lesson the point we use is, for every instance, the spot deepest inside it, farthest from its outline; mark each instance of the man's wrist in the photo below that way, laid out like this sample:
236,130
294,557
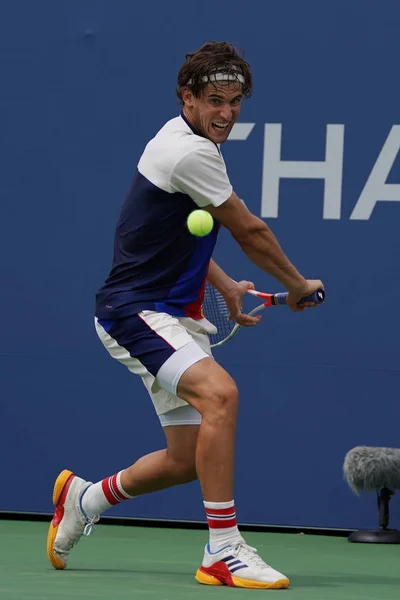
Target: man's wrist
227,287
297,287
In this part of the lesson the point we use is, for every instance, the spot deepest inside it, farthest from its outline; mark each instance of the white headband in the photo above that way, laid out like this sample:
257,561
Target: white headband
220,77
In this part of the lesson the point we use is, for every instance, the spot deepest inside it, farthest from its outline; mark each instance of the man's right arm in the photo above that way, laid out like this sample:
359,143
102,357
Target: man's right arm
261,246
201,174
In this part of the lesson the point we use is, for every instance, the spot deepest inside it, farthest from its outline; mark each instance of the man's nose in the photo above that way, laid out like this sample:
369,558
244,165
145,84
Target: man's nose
226,112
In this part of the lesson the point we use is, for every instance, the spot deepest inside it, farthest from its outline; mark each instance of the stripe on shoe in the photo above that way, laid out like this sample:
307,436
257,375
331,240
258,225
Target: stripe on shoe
218,571
219,574
233,564
242,566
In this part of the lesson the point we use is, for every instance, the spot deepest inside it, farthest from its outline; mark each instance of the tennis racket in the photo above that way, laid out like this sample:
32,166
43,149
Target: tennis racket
216,311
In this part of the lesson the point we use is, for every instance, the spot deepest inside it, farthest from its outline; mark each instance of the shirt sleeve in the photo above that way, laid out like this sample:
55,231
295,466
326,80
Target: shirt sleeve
202,175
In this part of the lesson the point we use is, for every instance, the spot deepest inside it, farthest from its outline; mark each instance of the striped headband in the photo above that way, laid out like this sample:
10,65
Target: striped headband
218,76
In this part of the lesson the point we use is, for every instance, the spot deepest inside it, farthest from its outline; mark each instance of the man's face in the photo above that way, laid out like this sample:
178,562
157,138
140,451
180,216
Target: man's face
215,112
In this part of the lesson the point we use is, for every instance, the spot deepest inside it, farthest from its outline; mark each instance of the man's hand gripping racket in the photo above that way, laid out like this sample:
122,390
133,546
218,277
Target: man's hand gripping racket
228,318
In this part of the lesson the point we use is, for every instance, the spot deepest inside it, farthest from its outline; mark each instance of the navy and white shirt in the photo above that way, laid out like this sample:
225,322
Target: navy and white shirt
157,264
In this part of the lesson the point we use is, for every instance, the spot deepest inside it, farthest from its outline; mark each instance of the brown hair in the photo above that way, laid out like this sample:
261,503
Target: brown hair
213,57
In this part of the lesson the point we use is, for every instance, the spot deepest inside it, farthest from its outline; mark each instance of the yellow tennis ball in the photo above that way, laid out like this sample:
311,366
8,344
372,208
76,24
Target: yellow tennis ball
200,223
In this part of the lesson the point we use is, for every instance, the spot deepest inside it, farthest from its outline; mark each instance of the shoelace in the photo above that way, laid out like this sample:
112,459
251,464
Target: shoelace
90,523
250,554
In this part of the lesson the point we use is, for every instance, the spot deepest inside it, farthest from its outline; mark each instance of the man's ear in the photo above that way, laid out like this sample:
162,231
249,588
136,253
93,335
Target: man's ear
187,96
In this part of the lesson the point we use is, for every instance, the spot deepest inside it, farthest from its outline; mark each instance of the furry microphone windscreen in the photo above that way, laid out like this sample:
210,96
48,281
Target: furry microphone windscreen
369,468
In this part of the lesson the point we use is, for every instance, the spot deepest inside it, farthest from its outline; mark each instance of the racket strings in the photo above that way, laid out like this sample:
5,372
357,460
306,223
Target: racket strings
216,311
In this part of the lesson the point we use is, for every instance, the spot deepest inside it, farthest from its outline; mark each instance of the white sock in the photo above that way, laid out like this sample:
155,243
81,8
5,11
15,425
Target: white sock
103,494
221,517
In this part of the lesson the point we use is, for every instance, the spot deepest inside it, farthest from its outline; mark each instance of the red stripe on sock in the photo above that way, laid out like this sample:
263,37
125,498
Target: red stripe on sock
221,523
106,487
115,488
107,492
220,511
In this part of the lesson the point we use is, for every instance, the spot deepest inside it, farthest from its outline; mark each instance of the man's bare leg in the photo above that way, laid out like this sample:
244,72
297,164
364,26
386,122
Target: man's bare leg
165,468
207,450
211,391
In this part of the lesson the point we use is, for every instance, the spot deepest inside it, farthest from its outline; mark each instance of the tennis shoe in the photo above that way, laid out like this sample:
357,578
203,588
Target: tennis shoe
69,521
240,566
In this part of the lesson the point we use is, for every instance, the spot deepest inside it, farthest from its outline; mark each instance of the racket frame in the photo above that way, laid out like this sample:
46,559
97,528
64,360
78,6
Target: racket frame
236,327
270,300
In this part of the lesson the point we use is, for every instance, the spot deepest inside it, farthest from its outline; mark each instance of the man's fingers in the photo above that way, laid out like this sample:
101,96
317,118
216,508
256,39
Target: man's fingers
247,320
245,285
296,308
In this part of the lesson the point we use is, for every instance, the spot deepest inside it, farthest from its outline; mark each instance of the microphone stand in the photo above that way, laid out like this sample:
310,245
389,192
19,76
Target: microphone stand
383,535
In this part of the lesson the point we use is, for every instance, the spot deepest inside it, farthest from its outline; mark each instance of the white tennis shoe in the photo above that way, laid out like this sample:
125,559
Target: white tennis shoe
239,566
69,522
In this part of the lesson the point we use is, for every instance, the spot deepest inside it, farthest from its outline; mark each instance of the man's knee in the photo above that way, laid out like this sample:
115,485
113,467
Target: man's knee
211,390
220,402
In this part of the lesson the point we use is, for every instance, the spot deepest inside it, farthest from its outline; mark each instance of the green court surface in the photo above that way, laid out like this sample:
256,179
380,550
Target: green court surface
118,562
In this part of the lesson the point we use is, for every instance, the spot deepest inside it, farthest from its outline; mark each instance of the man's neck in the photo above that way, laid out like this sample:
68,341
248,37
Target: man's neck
189,118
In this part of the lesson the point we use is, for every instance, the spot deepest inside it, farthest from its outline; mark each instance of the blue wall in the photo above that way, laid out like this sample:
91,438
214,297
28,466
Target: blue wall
84,85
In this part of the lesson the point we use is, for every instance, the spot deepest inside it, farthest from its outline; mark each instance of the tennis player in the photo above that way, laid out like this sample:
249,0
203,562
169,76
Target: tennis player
148,317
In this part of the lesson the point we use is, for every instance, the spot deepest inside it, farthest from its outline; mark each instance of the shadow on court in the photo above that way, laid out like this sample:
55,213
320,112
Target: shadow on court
299,580
341,579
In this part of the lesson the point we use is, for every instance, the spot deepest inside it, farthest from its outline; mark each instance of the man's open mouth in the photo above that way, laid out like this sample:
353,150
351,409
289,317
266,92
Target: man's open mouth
220,126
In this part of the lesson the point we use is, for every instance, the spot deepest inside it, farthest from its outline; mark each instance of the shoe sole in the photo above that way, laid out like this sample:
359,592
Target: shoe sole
231,581
61,487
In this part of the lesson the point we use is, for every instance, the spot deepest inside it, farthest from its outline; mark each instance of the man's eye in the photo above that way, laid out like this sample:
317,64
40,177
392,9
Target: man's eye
215,101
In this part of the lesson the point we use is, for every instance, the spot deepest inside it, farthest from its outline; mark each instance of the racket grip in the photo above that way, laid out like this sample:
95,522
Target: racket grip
317,297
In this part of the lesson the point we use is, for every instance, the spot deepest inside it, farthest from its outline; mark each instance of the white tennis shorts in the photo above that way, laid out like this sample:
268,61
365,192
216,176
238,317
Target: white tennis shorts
159,348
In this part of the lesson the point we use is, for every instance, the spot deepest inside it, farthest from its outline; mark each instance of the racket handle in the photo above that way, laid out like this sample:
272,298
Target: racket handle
317,297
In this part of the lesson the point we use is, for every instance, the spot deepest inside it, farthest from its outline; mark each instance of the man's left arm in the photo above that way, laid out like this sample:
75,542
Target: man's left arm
220,280
232,293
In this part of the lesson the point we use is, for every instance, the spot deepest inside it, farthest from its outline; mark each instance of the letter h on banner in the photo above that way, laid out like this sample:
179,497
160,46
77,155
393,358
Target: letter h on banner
330,170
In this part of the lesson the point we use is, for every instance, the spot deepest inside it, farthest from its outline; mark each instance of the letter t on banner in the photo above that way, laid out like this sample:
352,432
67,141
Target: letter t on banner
274,169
